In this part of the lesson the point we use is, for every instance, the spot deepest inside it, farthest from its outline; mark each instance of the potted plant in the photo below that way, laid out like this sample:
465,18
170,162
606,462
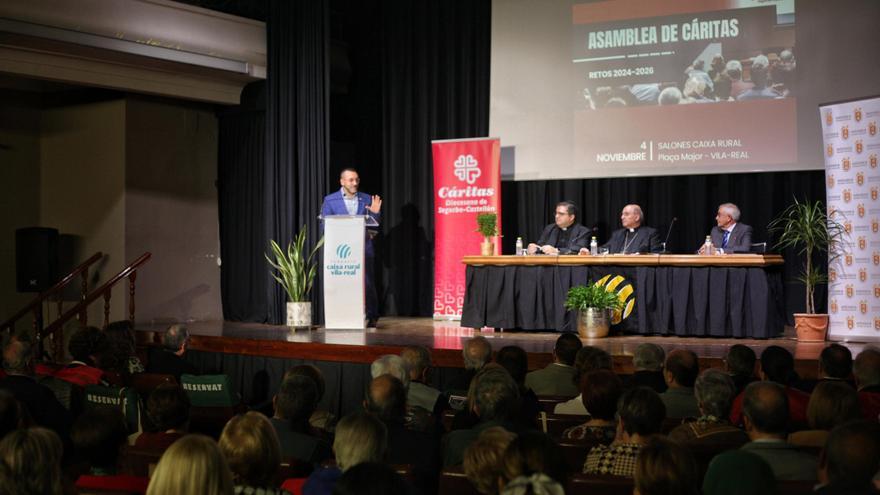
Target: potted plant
807,227
295,270
487,226
594,305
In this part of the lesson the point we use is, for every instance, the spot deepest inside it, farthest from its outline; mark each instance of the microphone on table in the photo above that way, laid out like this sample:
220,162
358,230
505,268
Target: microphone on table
669,231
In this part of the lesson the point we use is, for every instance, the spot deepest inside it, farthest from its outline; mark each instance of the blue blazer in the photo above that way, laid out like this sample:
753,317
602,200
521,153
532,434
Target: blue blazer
335,205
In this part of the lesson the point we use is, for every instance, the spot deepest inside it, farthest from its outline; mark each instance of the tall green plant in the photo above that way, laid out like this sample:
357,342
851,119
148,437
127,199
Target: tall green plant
581,297
807,227
295,272
487,224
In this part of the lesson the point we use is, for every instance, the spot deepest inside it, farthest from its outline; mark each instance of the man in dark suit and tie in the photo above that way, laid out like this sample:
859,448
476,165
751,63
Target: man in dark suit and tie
565,236
633,238
730,236
348,201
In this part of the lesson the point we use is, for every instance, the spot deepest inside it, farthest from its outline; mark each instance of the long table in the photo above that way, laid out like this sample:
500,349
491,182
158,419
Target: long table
737,295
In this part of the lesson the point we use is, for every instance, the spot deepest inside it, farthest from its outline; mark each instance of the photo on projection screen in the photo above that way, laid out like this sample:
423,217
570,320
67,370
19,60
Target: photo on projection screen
645,88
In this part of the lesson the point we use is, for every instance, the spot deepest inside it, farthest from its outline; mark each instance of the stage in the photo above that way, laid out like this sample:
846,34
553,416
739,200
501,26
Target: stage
445,338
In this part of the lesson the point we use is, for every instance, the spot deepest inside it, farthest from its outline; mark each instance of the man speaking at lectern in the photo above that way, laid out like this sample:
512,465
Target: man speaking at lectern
348,201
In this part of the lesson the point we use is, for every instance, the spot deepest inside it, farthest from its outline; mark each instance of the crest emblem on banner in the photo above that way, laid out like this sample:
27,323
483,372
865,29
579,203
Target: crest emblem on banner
829,150
829,118
860,178
849,291
876,258
874,192
863,275
859,146
467,169
861,210
830,181
833,306
872,160
862,243
863,307
876,291
845,164
850,322
847,195
876,323
848,258
857,114
875,225
847,226
844,132
626,293
872,127
832,275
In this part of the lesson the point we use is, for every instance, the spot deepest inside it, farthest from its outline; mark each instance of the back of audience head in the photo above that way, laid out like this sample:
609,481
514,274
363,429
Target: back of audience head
192,464
851,455
641,412
734,69
648,357
831,404
515,360
664,467
168,408
765,408
120,346
386,398
758,70
533,452
87,344
175,338
495,395
18,354
391,364
296,400
371,478
682,368
483,459
777,365
591,358
600,392
98,434
309,371
251,448
715,391
669,96
866,367
836,361
739,471
567,346
740,360
33,456
418,362
12,414
476,352
360,437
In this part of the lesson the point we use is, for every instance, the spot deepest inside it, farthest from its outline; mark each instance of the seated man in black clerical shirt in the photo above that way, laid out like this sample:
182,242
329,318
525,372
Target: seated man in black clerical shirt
633,238
566,236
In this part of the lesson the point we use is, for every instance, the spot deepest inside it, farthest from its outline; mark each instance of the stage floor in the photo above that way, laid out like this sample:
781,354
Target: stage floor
445,338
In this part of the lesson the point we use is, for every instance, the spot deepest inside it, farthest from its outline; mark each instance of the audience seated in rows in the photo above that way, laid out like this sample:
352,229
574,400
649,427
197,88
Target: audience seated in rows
665,467
294,404
252,451
86,346
777,366
97,435
483,459
494,399
515,360
532,454
120,354
32,457
765,413
714,391
321,419
360,437
371,478
640,414
832,403
588,359
168,411
193,464
476,353
420,394
736,472
680,371
866,371
417,418
601,389
740,364
557,378
849,461
648,362
168,360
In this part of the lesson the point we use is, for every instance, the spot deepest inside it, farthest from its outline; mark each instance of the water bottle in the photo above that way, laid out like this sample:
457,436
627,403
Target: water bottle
519,247
708,248
594,246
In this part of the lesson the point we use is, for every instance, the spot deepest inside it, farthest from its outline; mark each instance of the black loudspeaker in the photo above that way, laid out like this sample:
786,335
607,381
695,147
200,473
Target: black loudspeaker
36,259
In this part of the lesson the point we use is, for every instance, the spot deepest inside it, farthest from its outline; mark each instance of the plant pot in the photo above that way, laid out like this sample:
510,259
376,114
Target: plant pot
593,323
811,327
487,248
299,314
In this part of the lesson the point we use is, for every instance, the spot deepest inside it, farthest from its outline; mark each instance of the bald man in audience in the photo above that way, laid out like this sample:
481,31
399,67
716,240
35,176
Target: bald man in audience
866,370
476,353
681,371
634,237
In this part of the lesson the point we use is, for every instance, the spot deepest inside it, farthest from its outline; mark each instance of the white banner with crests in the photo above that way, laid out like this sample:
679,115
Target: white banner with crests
852,180
344,272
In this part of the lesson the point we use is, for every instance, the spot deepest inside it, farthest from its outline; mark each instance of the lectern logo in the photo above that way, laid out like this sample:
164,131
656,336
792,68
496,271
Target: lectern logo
844,132
467,169
343,251
857,114
625,293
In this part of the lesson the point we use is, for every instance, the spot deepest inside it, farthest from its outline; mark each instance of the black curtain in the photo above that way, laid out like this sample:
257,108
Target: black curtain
295,175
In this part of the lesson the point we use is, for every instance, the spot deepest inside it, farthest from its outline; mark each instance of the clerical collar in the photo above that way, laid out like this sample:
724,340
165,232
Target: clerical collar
563,228
632,230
